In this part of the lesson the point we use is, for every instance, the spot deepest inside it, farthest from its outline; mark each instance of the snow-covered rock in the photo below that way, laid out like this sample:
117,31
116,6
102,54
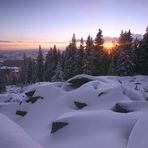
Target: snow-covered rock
13,136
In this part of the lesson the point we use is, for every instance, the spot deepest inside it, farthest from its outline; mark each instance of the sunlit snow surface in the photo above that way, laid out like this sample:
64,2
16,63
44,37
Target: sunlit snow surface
96,125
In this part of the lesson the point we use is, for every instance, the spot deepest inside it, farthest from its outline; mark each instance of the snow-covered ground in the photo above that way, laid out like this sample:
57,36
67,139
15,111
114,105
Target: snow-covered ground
106,112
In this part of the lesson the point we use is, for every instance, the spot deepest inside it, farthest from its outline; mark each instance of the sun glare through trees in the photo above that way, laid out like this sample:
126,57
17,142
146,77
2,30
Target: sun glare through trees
109,46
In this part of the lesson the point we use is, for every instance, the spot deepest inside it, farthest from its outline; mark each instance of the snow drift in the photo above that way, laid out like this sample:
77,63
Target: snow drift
13,136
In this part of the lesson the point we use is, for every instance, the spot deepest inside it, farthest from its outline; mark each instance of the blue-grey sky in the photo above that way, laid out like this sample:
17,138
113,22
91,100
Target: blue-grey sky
57,20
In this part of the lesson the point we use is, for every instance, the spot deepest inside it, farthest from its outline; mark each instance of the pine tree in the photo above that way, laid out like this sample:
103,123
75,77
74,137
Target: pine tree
55,57
136,43
125,61
70,61
40,66
101,58
125,38
89,57
13,79
73,43
33,71
81,56
24,70
81,46
59,74
48,71
59,55
78,58
62,59
2,83
51,61
142,55
29,70
113,59
99,39
125,64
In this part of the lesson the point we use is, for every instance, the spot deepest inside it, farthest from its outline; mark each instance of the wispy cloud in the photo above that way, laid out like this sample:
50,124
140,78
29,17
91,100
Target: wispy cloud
10,41
5,41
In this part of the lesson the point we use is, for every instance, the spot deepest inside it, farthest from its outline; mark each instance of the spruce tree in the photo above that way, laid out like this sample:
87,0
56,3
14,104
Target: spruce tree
142,55
99,39
101,58
24,70
59,74
81,56
33,71
70,61
40,66
89,67
125,56
29,70
2,82
55,57
73,42
78,62
51,61
48,72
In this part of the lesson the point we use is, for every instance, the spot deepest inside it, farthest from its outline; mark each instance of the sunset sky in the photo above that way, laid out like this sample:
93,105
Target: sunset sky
27,23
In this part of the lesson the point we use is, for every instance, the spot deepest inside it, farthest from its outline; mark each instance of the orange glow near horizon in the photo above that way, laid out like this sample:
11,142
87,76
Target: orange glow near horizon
27,45
109,46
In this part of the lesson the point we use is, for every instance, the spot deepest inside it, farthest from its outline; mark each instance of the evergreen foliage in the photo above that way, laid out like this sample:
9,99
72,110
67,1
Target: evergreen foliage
70,61
29,70
142,55
101,58
2,82
89,67
125,56
40,66
24,70
129,57
59,74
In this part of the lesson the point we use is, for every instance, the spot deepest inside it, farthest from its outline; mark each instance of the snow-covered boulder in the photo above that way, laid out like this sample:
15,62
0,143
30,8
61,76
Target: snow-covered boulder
13,136
101,111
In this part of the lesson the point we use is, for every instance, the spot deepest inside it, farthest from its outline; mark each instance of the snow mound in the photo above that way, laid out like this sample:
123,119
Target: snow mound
13,136
94,128
140,130
83,112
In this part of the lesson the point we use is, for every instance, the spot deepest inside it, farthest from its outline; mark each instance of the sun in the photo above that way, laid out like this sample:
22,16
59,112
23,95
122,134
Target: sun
108,46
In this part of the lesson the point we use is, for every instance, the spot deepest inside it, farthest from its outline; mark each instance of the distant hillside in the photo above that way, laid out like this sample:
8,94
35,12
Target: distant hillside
138,36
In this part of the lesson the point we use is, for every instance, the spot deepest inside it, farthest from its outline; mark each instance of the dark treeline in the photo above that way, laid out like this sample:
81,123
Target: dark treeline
128,57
